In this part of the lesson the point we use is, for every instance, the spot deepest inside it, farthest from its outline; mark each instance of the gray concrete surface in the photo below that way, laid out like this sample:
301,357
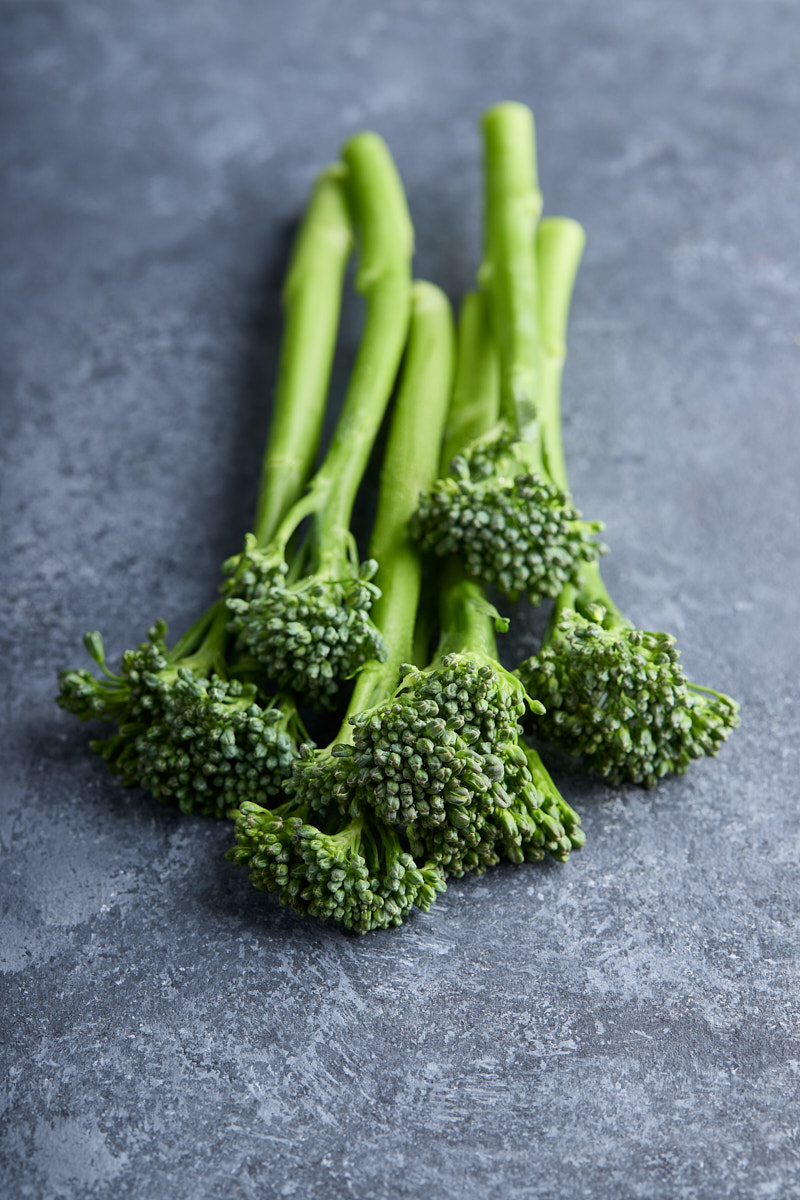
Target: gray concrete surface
625,1026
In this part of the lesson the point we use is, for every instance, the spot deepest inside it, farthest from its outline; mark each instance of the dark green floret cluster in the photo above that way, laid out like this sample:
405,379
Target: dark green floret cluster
437,753
137,690
618,697
352,870
309,635
537,823
203,742
430,775
510,526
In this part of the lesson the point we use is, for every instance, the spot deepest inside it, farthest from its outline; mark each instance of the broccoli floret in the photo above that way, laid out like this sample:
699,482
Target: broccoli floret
147,674
216,745
310,633
352,870
445,759
304,612
617,696
442,759
512,524
538,821
185,733
437,753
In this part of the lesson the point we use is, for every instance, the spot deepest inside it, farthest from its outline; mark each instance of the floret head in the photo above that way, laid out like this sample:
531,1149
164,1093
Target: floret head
265,844
509,526
312,635
619,698
361,895
437,752
128,696
322,779
457,851
213,746
338,872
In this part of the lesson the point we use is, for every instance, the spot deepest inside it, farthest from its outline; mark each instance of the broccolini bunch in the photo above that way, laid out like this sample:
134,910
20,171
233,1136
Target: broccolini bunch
429,775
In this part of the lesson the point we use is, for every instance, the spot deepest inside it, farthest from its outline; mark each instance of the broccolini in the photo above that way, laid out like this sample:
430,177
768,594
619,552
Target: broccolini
304,613
185,730
616,696
500,509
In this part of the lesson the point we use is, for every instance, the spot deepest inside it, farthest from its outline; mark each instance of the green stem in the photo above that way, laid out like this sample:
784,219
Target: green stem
348,840
380,214
513,204
559,247
312,296
211,650
466,622
475,407
410,465
423,632
587,589
463,608
195,635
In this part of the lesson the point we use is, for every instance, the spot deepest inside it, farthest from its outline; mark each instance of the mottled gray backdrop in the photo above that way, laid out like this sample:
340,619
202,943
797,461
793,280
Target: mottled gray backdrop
624,1026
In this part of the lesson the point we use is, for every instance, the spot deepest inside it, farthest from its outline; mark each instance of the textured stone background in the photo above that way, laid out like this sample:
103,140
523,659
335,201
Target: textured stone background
625,1026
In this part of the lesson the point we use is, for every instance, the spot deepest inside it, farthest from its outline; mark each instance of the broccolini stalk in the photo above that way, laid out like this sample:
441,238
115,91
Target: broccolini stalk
348,864
442,757
615,695
499,509
185,731
308,621
312,299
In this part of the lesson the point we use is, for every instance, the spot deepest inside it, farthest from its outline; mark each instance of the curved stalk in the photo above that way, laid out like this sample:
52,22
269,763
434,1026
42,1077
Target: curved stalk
475,407
410,465
513,204
312,298
380,214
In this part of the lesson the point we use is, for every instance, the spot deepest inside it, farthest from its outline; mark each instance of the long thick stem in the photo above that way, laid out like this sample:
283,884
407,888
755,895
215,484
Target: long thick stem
513,204
559,247
467,624
475,407
386,242
409,467
474,410
312,297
